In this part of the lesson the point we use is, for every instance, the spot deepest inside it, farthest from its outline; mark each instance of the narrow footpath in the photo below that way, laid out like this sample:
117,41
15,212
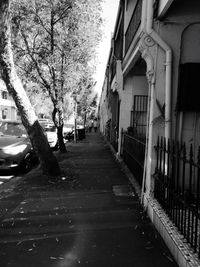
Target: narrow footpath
97,221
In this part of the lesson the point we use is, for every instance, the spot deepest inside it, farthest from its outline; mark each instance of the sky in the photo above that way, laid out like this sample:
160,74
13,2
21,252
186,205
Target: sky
110,8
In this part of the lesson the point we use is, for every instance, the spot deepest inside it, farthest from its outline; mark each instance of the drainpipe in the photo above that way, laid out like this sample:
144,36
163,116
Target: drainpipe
149,134
148,13
150,31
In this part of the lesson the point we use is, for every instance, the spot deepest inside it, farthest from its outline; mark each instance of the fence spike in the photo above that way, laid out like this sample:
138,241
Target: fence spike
164,145
184,151
158,142
198,157
169,146
191,153
178,148
161,142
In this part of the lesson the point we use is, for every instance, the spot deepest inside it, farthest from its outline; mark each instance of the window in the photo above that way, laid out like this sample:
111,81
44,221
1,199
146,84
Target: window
4,113
133,25
127,4
139,116
4,95
189,87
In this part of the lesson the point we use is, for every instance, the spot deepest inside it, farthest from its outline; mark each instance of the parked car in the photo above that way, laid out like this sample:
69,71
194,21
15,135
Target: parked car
16,151
51,134
44,121
67,128
68,132
69,135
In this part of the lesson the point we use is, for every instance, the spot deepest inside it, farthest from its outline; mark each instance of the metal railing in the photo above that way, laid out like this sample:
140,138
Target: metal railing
133,152
107,130
114,138
111,135
177,188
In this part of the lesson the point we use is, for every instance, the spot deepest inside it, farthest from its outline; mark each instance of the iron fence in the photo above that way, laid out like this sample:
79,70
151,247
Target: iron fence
133,152
107,130
114,138
177,187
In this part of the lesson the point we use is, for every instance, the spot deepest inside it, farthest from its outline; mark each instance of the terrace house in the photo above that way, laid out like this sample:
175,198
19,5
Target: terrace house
8,110
150,113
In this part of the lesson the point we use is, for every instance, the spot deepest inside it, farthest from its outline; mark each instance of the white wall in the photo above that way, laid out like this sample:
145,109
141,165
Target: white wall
133,85
104,111
185,43
7,104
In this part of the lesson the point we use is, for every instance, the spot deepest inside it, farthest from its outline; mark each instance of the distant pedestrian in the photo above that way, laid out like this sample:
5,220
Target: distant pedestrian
95,125
90,125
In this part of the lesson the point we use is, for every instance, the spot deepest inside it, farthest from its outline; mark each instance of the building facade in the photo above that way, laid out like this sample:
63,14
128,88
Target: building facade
8,110
150,113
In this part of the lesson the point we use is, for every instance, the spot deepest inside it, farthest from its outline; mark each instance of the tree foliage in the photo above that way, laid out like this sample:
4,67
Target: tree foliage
55,43
15,88
87,97
40,101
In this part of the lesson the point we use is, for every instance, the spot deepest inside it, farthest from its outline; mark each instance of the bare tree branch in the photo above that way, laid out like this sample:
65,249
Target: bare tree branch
41,22
63,14
47,86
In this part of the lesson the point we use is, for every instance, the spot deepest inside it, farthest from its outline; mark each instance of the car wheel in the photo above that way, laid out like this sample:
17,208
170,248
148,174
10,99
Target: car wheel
56,147
26,164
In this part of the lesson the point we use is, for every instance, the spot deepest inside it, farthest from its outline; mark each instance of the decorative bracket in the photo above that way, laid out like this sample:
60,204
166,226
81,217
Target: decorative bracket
147,42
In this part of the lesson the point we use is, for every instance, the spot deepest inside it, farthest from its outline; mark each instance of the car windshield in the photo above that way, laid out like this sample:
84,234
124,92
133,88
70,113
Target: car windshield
12,128
50,129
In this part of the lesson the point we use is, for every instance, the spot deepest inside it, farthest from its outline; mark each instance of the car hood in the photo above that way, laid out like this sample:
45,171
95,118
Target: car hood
51,134
12,140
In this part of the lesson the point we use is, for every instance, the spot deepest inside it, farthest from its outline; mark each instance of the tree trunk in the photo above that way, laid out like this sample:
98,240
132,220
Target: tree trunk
60,139
57,117
85,117
14,85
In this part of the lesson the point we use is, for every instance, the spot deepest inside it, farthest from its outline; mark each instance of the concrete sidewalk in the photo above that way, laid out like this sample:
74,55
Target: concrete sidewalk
96,222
